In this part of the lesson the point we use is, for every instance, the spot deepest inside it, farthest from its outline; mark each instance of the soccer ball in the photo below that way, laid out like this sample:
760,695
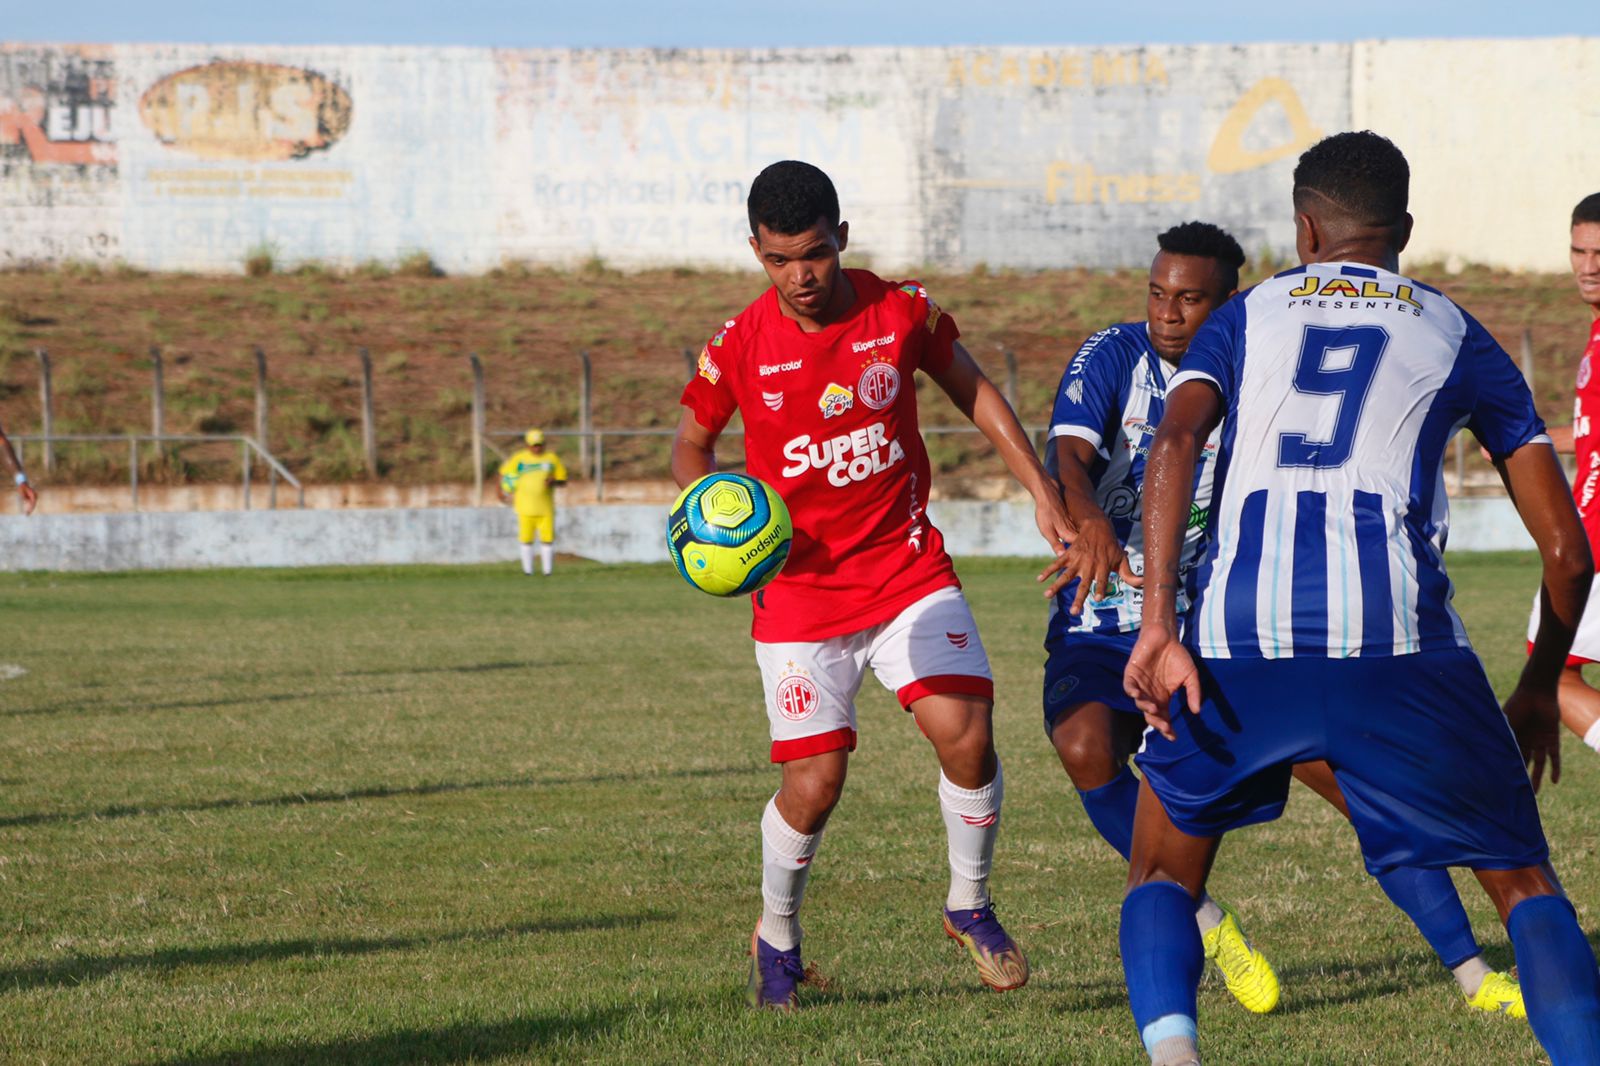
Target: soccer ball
729,534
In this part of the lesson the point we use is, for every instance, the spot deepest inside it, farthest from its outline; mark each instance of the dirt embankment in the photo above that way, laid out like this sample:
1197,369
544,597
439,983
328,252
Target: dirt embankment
528,328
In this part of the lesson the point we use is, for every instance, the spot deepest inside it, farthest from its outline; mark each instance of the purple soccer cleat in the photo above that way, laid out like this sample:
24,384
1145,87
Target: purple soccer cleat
775,976
1001,964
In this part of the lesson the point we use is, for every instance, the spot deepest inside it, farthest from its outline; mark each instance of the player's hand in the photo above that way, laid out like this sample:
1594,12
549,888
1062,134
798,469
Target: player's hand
1158,667
1050,515
1091,560
30,498
1535,719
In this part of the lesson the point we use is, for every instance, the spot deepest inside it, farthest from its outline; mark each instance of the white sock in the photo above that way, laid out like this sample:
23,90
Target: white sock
547,557
971,823
527,558
1470,974
785,866
1592,737
1208,915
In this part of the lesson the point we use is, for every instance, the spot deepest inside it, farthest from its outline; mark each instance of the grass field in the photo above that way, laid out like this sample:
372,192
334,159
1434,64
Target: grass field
453,815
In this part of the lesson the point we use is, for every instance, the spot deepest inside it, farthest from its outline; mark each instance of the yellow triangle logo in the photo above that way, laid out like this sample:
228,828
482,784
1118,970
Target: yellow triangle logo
1228,153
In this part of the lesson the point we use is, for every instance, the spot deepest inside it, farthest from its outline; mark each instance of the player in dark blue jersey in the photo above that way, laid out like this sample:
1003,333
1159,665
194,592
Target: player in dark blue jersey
1321,626
1110,400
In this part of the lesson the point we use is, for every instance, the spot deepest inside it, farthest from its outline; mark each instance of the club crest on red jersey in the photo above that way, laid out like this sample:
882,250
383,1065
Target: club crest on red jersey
836,400
879,385
1583,372
797,697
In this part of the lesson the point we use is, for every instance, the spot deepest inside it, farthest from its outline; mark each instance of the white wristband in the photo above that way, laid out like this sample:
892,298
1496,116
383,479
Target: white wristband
22,479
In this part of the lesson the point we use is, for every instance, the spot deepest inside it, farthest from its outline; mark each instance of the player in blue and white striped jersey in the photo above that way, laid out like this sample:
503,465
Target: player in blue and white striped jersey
1110,400
1106,411
1322,622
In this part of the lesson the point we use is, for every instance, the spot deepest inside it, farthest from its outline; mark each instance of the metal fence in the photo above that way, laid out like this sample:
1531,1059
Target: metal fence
591,440
248,447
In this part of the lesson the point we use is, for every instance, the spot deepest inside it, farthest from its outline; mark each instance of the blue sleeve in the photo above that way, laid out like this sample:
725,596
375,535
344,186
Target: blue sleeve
1217,351
1089,399
1503,416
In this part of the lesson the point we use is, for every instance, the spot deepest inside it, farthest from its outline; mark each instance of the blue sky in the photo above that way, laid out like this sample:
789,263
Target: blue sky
722,23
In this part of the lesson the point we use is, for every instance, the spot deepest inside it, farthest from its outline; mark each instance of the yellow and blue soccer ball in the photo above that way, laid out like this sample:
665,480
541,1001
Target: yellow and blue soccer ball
729,534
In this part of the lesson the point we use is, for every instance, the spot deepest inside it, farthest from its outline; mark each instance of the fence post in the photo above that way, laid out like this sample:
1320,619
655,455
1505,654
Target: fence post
261,401
1011,376
244,462
133,469
688,363
477,429
158,401
585,410
369,431
1527,356
46,409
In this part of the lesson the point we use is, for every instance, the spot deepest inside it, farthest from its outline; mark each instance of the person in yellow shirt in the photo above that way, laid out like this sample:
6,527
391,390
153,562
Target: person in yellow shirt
528,481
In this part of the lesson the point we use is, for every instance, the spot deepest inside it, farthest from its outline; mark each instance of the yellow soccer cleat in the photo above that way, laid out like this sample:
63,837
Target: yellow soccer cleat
1248,974
1499,993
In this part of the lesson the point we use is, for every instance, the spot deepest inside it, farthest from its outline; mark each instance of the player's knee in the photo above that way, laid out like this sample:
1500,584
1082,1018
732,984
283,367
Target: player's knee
1086,755
815,793
1507,888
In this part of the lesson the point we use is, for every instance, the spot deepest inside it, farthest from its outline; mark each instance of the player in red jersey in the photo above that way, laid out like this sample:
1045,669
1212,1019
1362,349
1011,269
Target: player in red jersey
1580,703
820,367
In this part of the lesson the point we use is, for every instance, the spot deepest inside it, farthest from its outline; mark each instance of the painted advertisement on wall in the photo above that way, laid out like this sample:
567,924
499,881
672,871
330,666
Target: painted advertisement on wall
192,157
58,154
332,155
646,157
1079,157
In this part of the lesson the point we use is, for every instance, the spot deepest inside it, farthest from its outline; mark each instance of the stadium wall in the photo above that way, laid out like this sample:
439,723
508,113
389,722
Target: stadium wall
190,157
614,533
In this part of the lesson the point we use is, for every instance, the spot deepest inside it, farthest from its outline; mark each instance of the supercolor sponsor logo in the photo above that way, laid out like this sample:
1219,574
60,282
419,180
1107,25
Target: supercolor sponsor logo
766,370
867,346
847,458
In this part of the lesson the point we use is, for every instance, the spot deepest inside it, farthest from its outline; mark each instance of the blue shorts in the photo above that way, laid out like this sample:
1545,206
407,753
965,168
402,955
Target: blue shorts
1085,668
1418,742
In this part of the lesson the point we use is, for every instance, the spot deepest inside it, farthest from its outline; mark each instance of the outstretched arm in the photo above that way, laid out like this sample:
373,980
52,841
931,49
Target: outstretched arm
1159,665
693,456
1096,553
29,497
1538,487
976,397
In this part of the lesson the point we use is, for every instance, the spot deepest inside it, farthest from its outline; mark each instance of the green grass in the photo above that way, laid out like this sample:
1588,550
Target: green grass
454,815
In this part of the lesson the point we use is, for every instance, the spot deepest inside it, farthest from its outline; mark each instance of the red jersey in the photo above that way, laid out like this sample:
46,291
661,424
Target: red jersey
1585,441
830,421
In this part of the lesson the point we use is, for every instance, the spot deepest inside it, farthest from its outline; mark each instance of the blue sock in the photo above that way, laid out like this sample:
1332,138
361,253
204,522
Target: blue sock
1428,898
1110,809
1161,960
1559,981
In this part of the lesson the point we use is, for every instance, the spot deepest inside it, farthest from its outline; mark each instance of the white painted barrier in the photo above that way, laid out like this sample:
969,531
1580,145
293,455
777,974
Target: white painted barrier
631,533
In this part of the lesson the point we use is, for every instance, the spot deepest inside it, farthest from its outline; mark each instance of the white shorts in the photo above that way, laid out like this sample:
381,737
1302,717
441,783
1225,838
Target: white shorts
931,648
1586,642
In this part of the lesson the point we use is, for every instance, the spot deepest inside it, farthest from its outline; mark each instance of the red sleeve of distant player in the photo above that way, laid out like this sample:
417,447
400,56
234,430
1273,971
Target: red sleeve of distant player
709,393
937,329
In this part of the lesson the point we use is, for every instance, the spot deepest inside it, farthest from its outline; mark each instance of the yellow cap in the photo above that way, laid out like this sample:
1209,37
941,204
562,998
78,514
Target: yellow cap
534,436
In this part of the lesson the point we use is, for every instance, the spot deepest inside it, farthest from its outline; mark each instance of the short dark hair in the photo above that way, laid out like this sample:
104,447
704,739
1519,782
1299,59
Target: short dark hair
1207,241
1362,173
1588,209
788,198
